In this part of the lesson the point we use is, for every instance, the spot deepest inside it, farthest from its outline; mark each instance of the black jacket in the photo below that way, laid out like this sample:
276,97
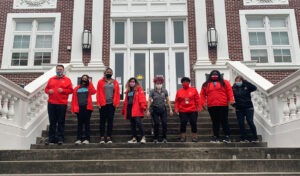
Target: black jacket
242,95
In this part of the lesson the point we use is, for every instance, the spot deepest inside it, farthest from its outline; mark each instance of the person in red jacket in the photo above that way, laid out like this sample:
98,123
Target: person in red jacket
58,89
216,94
82,105
134,106
187,105
108,99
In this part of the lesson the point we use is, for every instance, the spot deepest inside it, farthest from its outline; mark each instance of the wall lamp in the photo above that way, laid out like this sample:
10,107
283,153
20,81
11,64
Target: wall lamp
86,39
212,38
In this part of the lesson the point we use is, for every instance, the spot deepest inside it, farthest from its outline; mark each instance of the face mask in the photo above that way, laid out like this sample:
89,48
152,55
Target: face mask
84,82
186,85
132,84
239,84
108,76
58,73
158,86
214,77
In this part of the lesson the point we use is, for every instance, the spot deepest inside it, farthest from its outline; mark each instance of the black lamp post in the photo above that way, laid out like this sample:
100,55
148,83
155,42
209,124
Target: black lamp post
212,38
86,39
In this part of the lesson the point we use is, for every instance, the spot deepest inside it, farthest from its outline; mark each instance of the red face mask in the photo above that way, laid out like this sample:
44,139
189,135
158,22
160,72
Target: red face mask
214,77
186,85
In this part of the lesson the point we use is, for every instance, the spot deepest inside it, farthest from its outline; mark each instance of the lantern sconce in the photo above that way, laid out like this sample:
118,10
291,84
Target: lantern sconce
86,39
212,38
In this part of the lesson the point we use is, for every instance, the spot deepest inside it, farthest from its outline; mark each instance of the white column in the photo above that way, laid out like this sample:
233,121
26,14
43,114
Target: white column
78,25
97,33
220,22
201,30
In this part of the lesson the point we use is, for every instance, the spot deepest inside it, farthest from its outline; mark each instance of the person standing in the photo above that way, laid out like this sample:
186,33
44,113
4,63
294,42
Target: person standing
108,99
58,89
82,105
133,109
244,107
156,104
187,105
216,94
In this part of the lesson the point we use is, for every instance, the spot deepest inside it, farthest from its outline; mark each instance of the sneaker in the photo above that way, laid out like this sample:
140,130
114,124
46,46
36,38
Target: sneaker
86,142
255,141
244,141
132,141
109,141
164,140
77,142
215,139
194,140
155,141
182,140
60,142
227,139
143,140
102,140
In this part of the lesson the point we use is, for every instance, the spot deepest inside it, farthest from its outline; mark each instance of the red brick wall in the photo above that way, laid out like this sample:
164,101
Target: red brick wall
210,17
234,33
192,37
22,78
88,25
64,7
106,33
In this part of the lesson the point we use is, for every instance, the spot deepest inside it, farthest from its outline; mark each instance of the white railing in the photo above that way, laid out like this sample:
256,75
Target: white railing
277,107
23,112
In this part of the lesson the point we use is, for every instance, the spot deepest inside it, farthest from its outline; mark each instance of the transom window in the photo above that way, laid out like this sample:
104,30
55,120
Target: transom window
269,39
32,42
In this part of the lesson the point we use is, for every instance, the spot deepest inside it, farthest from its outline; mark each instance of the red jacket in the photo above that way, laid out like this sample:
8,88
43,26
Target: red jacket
216,95
54,83
100,96
74,103
187,100
139,103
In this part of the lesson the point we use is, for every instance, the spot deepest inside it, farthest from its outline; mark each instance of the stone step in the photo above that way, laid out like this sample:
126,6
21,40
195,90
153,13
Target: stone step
150,166
149,138
127,131
149,145
150,153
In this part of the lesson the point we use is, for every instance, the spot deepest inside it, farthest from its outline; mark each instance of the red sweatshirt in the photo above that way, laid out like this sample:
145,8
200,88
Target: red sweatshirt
74,103
100,96
54,83
187,100
217,95
139,103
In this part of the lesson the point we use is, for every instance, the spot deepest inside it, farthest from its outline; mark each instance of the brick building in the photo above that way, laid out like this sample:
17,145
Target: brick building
146,38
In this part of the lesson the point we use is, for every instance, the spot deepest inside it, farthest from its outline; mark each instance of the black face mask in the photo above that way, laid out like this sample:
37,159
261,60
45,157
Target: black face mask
84,82
108,76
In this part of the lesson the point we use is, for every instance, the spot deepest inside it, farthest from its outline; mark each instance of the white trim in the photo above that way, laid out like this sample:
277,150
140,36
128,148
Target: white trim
97,34
8,40
221,26
293,34
201,30
35,4
264,2
78,27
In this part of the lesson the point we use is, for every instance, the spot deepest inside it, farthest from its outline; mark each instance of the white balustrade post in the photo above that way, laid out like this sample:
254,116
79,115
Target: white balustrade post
297,93
5,108
0,105
292,104
286,109
11,109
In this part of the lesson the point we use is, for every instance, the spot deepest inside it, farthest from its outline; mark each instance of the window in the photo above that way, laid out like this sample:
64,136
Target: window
32,40
119,33
269,39
178,32
157,32
33,37
139,32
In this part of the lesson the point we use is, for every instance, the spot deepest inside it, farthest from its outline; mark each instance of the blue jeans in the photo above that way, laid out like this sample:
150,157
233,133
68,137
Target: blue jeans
240,115
83,117
57,114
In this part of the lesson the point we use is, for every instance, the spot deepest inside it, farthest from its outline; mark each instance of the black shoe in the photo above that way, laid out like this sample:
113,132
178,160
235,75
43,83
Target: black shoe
194,140
60,142
214,139
227,139
155,141
182,140
164,140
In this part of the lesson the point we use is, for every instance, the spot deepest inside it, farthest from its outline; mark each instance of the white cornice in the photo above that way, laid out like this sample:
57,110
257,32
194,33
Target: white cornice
35,4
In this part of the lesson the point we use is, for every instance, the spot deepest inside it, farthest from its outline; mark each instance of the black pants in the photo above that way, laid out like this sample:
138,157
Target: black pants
248,113
107,114
57,114
135,122
163,118
219,115
186,117
83,118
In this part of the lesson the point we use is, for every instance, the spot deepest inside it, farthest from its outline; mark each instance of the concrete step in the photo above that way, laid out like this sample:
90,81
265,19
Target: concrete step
150,166
150,153
149,145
